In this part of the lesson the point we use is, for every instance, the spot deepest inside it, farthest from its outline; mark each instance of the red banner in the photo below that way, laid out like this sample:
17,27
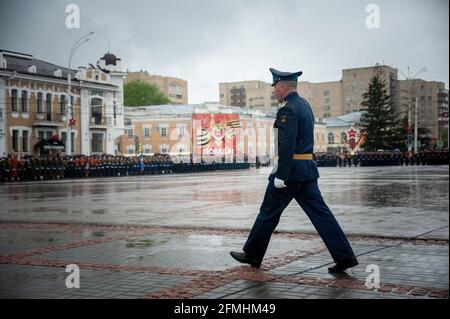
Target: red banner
215,135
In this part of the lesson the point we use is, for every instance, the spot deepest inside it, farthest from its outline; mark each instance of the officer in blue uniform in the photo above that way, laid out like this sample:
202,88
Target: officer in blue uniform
295,177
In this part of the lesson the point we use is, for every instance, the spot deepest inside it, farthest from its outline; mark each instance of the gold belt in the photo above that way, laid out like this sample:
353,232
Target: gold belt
303,157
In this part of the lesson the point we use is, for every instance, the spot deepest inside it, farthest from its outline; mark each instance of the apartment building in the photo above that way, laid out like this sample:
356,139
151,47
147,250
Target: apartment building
335,98
251,95
432,105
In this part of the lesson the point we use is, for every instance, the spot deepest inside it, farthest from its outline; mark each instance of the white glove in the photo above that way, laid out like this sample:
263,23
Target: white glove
278,183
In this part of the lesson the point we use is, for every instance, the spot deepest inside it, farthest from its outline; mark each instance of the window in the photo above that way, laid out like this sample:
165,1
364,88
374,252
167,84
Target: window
97,142
330,138
327,100
1,114
72,142
326,93
62,105
180,132
147,150
24,101
164,149
14,100
25,141
163,131
146,132
41,135
48,134
115,109
130,150
48,106
96,110
39,102
130,132
15,140
64,137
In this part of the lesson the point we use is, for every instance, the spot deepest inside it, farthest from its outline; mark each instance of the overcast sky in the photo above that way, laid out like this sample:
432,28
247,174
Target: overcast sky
210,41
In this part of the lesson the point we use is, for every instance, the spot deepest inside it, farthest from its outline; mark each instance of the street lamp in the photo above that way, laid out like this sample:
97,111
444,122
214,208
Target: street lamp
416,106
69,110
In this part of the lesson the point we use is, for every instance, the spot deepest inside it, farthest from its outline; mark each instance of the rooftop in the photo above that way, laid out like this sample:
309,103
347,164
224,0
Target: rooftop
343,120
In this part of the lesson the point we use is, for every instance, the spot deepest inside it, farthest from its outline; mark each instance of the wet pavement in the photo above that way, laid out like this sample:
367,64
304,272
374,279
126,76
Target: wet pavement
168,236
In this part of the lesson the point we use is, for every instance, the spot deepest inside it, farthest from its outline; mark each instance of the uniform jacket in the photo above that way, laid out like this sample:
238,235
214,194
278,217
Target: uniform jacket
295,124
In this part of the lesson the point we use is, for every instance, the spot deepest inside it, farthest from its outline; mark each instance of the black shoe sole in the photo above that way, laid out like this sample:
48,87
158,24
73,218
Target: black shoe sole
331,271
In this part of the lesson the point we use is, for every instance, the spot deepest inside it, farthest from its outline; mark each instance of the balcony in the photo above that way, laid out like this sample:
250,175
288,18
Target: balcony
98,122
45,119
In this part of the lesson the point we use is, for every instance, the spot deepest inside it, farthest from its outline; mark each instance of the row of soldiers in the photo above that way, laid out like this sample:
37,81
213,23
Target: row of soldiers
58,167
364,159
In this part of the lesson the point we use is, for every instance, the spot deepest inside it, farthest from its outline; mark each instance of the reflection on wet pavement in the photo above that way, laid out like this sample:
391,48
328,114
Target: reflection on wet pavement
390,201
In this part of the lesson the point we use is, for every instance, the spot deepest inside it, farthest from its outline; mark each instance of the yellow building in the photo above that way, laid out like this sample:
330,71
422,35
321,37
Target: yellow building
169,129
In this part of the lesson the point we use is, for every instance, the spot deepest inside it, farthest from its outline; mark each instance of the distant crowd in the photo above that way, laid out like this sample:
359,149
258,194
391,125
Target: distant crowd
58,167
363,159
29,168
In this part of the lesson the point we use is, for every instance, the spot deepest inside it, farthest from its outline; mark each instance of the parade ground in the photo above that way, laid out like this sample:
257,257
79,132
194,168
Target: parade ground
169,236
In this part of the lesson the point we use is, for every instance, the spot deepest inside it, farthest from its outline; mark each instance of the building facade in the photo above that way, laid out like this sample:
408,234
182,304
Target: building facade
171,129
355,83
432,105
336,98
175,89
339,132
251,95
325,98
34,106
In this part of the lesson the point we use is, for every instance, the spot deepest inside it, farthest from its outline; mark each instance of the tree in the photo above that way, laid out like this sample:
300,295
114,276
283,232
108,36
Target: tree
379,119
140,93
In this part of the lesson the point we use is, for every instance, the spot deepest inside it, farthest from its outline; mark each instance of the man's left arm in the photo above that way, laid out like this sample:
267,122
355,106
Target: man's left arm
287,134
